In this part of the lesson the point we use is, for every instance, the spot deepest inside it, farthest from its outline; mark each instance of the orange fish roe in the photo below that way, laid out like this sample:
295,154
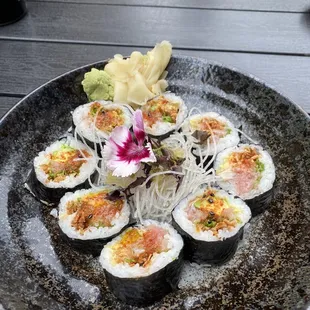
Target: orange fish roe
138,245
94,210
160,109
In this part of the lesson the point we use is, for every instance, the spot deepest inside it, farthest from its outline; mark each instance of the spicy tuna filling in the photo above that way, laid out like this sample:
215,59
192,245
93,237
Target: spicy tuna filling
210,212
64,162
160,109
139,245
94,209
246,168
106,119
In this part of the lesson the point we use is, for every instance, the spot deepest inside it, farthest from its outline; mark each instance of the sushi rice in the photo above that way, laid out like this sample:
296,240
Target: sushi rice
85,124
226,180
161,127
208,148
70,181
158,261
240,209
120,220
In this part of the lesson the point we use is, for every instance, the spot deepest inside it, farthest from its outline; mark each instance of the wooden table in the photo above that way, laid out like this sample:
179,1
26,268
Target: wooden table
270,39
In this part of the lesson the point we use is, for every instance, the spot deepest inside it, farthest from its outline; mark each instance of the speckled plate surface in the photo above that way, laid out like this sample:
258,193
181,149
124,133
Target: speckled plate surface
271,268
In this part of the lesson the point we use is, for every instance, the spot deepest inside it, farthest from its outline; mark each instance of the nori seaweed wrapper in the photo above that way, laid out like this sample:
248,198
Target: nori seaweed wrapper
91,246
48,195
260,203
144,291
208,252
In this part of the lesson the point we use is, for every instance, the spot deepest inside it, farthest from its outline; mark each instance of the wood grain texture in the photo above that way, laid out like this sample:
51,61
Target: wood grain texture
6,103
27,65
144,26
251,5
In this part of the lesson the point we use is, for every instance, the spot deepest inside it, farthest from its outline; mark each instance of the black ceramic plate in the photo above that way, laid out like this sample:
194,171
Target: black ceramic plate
271,268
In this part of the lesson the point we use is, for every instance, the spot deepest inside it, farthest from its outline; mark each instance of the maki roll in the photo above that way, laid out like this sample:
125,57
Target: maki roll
248,172
211,223
90,218
163,114
64,166
143,264
214,133
95,121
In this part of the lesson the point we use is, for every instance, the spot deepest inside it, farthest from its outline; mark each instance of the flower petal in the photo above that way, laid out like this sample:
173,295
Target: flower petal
122,153
138,126
132,152
151,157
121,136
122,168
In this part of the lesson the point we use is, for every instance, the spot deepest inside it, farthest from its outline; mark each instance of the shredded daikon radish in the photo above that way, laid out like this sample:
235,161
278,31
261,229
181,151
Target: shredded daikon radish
76,135
158,200
194,109
250,139
162,191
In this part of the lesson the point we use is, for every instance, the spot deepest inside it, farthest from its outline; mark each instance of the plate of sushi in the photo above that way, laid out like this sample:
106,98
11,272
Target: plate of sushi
156,181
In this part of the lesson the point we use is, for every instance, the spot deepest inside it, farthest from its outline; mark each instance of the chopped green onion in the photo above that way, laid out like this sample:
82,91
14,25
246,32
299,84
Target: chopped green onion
167,119
197,204
238,220
260,167
99,224
210,224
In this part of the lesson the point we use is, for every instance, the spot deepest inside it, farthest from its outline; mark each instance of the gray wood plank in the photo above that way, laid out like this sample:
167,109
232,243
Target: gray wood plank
251,5
6,103
192,29
26,65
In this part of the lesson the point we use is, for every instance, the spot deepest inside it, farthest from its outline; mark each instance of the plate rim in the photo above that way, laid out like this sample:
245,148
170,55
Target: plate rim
4,120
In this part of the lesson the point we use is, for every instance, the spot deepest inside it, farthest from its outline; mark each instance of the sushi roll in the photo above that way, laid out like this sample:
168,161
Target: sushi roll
95,121
163,114
211,223
248,172
143,264
89,218
64,166
213,131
